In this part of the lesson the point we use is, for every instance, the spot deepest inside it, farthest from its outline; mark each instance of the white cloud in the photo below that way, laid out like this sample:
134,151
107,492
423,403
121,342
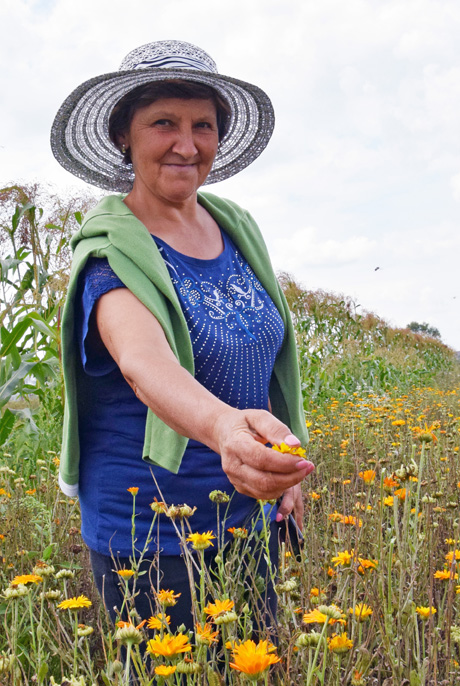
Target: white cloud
364,166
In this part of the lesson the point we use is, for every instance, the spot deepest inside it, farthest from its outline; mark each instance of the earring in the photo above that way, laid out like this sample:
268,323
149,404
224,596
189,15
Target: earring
123,149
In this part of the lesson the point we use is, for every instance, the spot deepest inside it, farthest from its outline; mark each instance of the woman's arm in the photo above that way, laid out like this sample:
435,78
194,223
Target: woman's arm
138,345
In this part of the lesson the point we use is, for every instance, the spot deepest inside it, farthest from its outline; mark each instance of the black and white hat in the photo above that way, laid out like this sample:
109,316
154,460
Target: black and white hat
79,135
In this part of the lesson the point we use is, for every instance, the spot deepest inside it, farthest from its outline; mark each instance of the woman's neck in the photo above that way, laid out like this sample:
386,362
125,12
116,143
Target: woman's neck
186,226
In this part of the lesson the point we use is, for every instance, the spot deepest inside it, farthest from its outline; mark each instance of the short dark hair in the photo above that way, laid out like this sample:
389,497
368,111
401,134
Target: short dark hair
122,114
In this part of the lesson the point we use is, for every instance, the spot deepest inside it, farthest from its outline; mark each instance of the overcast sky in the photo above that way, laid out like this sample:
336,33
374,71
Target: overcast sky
363,170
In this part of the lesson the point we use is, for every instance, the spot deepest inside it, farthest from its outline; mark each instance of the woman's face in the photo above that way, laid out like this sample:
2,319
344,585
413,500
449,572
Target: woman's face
173,144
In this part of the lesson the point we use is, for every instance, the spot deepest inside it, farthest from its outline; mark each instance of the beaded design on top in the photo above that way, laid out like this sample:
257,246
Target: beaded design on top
169,53
79,135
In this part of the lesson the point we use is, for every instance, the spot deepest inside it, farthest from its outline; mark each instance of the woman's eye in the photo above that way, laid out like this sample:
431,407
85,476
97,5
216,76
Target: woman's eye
204,125
162,122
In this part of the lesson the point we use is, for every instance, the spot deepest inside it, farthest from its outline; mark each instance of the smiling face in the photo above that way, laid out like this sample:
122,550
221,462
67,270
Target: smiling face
173,143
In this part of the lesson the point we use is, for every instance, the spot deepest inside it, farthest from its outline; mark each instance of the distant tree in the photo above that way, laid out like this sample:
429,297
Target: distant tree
424,328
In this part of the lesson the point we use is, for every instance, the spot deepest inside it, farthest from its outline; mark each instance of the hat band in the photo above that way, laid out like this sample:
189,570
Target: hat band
172,62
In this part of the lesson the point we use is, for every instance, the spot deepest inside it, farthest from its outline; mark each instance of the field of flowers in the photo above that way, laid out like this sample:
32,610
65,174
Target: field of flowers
372,595
370,598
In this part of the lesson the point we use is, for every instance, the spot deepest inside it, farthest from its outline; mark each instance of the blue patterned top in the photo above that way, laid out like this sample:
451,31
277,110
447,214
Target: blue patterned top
236,333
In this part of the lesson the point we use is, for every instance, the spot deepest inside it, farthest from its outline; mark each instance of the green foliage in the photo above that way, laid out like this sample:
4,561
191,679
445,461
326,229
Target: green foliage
343,351
34,265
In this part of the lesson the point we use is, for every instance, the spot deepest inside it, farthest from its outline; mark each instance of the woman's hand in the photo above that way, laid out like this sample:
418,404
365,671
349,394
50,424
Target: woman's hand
252,468
292,502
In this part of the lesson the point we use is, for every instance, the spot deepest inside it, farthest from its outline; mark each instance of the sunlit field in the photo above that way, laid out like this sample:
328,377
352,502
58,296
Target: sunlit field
371,596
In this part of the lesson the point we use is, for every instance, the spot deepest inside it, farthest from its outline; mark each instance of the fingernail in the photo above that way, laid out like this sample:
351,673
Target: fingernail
279,517
291,440
304,464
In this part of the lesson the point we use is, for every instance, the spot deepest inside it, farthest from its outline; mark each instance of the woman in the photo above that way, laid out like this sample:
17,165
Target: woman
177,340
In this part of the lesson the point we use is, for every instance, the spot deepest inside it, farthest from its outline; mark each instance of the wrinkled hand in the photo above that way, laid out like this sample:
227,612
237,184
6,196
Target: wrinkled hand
292,501
251,467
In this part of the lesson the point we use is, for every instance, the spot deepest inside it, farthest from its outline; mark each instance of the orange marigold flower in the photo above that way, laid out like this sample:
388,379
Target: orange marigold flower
389,482
205,635
75,603
125,573
368,476
445,574
340,643
165,670
314,617
425,612
168,645
167,598
159,621
401,493
133,490
253,658
361,611
344,558
218,607
201,541
25,579
284,448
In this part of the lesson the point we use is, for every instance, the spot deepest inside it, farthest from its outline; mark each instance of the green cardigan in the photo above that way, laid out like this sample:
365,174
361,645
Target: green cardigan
111,230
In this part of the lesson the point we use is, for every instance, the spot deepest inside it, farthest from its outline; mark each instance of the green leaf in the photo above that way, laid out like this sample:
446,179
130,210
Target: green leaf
42,672
12,385
6,425
47,553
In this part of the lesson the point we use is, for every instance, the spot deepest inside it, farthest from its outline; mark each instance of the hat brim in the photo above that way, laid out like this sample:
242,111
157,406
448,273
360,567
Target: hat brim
81,144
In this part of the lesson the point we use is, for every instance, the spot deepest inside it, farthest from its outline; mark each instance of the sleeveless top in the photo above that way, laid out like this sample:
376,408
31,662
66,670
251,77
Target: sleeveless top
236,333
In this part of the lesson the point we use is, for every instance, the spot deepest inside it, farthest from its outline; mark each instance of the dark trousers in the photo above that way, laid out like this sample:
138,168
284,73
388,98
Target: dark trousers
173,576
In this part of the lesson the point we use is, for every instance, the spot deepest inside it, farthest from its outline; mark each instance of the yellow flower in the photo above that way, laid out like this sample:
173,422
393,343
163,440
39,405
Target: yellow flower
205,635
283,448
314,496
401,493
31,491
167,598
201,541
450,555
398,422
339,643
388,501
344,558
445,574
314,617
125,573
75,603
26,579
159,621
253,659
3,492
425,612
133,490
165,670
368,476
361,611
219,607
169,645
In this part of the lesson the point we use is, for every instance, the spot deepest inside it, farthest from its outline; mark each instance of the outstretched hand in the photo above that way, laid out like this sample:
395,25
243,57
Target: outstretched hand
252,468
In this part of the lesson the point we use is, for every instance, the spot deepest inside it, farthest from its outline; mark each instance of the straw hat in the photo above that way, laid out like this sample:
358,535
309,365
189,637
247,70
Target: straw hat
79,135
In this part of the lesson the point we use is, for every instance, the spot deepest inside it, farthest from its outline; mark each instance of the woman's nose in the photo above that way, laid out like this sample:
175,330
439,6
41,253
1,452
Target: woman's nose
185,144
